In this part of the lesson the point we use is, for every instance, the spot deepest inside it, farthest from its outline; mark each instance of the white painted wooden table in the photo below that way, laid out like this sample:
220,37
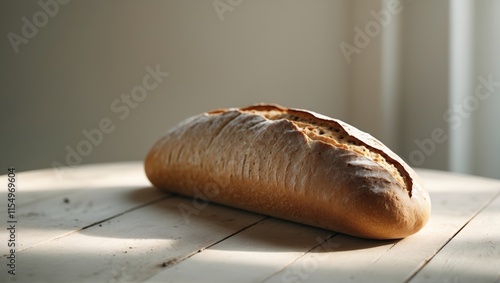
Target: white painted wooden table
105,223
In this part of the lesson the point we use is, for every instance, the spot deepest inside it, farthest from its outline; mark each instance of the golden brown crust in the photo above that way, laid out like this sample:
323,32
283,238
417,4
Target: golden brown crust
285,163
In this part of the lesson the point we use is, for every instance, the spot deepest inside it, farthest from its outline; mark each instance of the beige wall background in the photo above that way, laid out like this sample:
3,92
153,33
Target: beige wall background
66,77
84,58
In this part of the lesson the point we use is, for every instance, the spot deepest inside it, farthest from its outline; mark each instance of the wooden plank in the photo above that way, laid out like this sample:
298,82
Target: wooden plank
340,259
165,237
455,199
33,186
57,216
47,208
473,255
130,247
249,256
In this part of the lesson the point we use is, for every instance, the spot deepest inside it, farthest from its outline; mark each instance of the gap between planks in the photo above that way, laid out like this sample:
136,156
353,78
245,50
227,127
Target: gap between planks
487,204
174,261
134,245
58,232
101,221
298,258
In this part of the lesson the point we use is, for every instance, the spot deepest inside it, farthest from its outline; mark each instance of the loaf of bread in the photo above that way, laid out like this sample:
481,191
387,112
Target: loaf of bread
292,164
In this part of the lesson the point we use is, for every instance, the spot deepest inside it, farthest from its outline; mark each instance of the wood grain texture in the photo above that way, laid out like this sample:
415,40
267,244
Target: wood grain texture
85,197
250,256
130,247
457,200
51,183
473,255
138,234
